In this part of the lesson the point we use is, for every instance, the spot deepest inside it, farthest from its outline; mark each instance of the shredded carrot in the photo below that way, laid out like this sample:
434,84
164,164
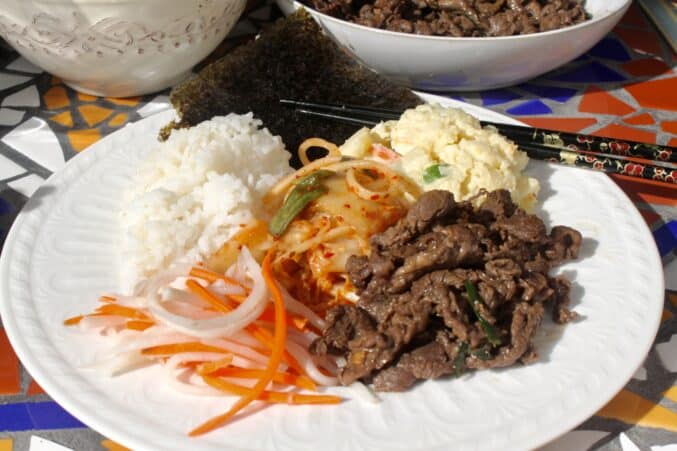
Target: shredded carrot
249,373
276,353
211,276
107,299
178,348
73,321
270,396
259,333
120,310
139,325
295,321
211,367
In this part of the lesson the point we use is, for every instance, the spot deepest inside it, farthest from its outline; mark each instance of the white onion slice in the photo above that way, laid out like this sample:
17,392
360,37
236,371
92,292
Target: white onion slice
364,393
120,364
299,308
304,359
223,288
226,325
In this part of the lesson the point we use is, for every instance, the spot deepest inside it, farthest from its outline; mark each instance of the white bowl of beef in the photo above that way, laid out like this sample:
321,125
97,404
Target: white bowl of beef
448,63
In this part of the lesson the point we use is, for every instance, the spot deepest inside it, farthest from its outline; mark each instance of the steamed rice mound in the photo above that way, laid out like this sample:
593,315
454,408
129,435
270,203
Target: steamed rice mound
193,192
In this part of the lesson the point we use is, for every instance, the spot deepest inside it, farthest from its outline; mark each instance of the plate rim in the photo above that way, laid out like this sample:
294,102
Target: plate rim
23,350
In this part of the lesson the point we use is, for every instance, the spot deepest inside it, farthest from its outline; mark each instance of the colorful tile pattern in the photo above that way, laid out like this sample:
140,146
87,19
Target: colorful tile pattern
625,87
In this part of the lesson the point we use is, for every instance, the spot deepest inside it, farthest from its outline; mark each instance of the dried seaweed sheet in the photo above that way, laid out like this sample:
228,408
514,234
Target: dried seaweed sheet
292,59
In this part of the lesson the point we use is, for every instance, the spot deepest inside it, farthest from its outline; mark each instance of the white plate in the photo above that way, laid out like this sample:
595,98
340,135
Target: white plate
61,254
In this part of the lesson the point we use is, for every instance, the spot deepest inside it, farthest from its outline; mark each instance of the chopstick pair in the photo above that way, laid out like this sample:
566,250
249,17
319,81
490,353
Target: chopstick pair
592,152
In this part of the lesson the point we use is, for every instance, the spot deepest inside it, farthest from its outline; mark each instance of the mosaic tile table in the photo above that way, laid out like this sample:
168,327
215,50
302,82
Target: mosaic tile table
625,87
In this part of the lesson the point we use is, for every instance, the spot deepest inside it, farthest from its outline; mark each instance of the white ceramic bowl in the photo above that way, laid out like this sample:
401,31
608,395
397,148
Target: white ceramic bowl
117,47
434,63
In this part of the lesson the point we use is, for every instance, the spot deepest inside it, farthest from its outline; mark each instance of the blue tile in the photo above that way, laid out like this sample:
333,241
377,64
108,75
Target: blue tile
610,48
5,207
530,107
50,415
666,238
593,72
498,96
26,416
561,95
15,417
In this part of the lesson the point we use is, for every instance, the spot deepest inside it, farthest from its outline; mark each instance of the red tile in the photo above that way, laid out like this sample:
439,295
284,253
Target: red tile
649,216
564,124
640,119
649,191
598,101
648,67
634,17
660,94
641,41
672,142
10,382
623,132
669,126
34,389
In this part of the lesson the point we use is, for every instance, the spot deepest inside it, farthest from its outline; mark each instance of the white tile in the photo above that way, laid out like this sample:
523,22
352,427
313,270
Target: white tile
667,353
21,64
8,168
42,444
25,97
36,140
158,104
575,440
9,80
627,444
671,447
9,117
27,185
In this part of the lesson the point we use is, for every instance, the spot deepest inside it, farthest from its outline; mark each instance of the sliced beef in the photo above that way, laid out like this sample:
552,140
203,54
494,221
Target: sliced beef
414,319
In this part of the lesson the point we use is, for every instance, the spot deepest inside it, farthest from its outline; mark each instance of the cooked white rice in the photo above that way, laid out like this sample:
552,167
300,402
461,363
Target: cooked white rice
193,191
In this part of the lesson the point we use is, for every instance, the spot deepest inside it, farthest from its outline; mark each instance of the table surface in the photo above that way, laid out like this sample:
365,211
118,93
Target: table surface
625,87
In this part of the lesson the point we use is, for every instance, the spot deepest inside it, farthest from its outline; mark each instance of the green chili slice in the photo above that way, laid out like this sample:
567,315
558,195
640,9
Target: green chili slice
307,189
482,353
487,327
433,173
459,360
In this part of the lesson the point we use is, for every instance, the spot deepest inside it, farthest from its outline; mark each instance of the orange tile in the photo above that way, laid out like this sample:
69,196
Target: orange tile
673,299
640,41
660,94
55,80
118,120
86,97
129,101
649,191
598,101
669,126
667,314
671,393
564,124
110,445
672,142
623,132
34,389
93,114
634,409
10,379
634,17
640,119
56,97
64,119
6,444
81,139
648,67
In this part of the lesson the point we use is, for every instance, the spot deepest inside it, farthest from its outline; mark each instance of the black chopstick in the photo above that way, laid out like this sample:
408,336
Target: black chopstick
611,147
550,147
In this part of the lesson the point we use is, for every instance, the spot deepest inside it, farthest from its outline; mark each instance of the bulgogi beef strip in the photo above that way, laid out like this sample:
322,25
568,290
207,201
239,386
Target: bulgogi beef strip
414,319
458,18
